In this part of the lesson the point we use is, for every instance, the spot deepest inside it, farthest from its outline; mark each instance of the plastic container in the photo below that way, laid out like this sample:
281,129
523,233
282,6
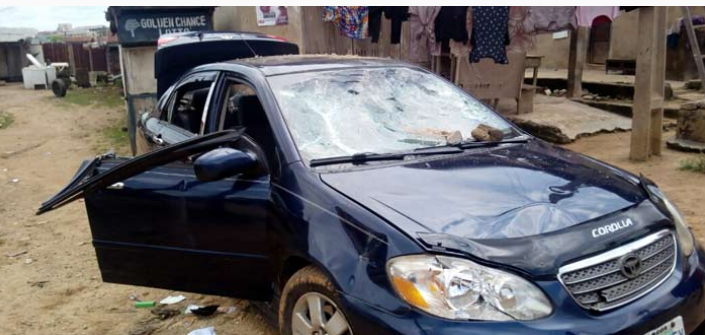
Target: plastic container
38,77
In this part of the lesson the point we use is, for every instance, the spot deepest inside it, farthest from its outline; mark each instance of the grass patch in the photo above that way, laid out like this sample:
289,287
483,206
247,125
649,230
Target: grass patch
107,96
6,119
113,137
694,164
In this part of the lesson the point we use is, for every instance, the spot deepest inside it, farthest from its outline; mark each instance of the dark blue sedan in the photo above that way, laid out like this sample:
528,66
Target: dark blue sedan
354,195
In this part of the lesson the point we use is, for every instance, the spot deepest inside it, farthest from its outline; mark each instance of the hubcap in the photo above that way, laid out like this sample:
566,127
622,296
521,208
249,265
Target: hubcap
315,314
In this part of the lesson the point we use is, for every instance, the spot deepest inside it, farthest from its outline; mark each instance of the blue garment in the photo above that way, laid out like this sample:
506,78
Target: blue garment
489,33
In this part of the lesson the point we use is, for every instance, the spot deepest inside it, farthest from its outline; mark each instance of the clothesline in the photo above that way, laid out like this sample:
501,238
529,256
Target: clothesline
479,32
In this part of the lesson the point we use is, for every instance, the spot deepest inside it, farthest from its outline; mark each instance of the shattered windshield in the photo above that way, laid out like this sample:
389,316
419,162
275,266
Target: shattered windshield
378,110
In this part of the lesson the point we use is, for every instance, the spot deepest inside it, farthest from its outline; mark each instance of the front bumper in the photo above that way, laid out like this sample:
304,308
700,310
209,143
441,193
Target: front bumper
683,294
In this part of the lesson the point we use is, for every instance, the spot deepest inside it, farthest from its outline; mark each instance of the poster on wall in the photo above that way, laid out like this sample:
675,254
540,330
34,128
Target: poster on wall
272,15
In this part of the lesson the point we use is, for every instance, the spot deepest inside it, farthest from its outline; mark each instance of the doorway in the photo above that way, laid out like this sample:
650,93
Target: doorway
599,46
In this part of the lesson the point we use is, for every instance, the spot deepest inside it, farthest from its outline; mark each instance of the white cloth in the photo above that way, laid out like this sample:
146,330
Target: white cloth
587,14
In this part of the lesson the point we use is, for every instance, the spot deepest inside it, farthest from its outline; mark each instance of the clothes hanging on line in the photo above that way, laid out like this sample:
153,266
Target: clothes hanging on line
423,39
352,21
674,31
460,49
397,14
489,34
545,19
585,15
450,24
519,39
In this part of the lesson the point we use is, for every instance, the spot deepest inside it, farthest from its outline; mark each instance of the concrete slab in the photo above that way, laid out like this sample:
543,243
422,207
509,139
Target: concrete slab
561,120
595,76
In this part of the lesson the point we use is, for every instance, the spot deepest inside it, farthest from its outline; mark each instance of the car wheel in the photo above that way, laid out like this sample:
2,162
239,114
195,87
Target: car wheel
59,88
310,306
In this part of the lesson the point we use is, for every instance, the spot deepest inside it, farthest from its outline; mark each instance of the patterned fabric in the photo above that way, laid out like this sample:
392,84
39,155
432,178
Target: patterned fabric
352,21
519,39
423,39
548,19
489,34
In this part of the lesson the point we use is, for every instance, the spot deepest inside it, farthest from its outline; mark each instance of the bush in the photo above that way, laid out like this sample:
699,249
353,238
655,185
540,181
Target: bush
6,119
694,164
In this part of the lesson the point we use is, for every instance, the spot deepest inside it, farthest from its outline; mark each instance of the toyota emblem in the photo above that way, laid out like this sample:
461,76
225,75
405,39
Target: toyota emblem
630,265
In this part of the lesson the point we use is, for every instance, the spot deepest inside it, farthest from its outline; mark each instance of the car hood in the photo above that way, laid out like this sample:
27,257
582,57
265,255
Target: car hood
492,195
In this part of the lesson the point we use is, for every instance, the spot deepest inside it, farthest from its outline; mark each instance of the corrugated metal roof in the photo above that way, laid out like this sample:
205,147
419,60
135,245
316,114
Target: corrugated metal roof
16,34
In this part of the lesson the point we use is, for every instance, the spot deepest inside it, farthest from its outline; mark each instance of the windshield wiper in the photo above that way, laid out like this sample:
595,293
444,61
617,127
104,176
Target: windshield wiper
475,144
365,157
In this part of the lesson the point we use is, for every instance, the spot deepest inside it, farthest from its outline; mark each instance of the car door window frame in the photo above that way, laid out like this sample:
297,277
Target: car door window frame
190,79
218,105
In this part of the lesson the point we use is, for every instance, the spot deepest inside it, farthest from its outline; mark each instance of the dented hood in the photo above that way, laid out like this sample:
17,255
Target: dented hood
512,192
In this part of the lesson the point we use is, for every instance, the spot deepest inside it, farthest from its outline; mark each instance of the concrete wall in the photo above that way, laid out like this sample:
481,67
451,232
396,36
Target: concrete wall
555,52
244,18
138,66
140,86
623,41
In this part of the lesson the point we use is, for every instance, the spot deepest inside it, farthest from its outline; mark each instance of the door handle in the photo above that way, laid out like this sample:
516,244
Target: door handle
116,186
157,139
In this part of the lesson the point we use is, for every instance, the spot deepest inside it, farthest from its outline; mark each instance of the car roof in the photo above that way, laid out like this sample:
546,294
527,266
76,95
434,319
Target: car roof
277,65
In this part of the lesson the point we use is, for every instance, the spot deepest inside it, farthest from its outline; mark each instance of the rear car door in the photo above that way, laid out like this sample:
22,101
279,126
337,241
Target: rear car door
155,224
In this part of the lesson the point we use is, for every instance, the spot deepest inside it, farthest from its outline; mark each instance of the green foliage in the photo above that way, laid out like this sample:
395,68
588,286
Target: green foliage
694,164
55,38
6,119
102,96
114,137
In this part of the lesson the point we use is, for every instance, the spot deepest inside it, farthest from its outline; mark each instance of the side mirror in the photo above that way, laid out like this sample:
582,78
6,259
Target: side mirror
221,163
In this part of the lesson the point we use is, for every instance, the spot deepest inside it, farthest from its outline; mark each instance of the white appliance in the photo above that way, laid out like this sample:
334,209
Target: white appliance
38,75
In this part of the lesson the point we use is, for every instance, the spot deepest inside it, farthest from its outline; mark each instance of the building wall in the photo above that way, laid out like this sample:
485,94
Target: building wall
244,18
555,52
140,85
623,39
625,28
138,66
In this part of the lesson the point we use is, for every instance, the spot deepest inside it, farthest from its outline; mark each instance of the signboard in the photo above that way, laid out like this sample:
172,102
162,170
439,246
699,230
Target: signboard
272,16
145,27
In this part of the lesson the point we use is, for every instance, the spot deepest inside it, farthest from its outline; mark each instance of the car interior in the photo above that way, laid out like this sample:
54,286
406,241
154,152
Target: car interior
243,109
188,108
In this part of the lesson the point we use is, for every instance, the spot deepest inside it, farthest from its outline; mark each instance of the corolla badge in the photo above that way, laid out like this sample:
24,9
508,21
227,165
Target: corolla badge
612,227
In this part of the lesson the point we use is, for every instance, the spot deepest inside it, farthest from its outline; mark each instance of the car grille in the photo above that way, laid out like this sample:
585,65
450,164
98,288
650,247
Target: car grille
598,283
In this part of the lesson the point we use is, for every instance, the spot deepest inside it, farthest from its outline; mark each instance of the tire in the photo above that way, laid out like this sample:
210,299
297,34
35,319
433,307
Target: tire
59,88
305,288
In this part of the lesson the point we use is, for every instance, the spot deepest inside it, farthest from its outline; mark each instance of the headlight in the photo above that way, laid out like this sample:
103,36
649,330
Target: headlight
455,288
685,237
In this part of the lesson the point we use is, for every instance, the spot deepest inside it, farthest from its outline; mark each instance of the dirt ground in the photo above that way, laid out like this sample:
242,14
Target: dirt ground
49,278
686,189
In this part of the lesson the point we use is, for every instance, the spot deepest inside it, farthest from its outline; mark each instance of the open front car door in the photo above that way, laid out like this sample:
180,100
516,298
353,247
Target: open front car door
161,220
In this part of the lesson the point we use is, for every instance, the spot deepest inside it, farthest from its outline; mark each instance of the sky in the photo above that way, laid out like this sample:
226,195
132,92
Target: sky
48,17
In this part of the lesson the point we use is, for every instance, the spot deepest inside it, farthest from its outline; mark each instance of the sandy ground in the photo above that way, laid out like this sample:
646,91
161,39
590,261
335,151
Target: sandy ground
686,189
55,287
